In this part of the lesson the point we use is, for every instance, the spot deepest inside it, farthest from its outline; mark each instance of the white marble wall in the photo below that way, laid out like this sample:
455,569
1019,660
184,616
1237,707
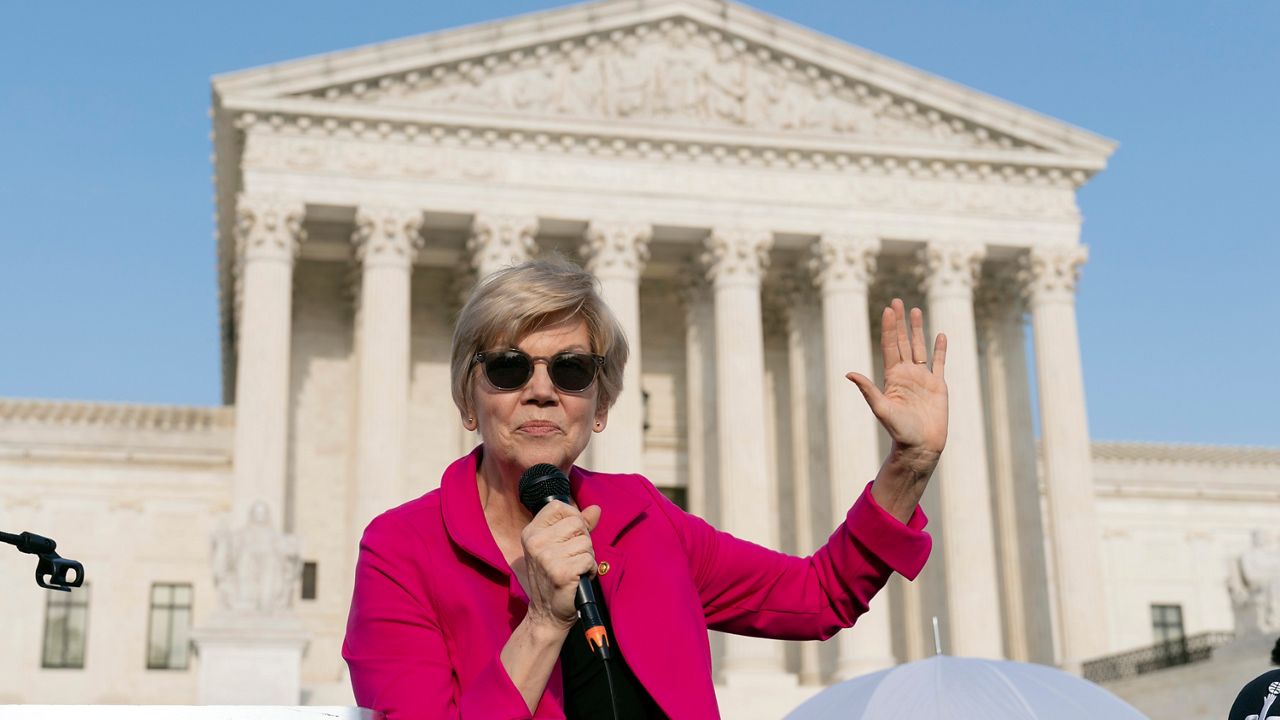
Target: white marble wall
135,505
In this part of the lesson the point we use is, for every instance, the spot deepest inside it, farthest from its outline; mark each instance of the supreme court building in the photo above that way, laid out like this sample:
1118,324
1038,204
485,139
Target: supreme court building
749,193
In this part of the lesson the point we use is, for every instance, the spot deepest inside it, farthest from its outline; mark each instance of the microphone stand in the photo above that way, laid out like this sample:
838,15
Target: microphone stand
51,569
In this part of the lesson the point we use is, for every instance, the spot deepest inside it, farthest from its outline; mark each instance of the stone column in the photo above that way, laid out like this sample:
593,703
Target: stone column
972,592
499,241
269,235
843,265
700,398
735,260
616,253
808,437
387,240
1011,453
460,287
1050,274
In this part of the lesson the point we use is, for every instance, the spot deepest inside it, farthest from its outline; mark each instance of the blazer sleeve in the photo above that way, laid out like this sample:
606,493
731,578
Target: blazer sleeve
747,589
394,648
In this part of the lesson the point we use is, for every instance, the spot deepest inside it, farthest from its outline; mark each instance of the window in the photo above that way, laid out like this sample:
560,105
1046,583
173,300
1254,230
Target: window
66,619
1166,623
677,495
170,627
309,580
1170,641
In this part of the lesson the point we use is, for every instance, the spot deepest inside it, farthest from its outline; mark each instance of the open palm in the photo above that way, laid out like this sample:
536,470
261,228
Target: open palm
912,407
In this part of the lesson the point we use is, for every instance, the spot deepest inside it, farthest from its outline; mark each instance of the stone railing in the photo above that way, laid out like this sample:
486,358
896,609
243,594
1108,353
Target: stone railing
1141,661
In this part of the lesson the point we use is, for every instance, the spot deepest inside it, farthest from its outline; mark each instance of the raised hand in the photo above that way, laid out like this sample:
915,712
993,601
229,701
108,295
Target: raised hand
912,407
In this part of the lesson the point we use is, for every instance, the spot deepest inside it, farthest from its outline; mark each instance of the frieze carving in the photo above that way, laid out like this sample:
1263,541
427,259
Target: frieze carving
737,255
950,267
614,249
677,72
387,235
1051,273
844,261
873,185
498,241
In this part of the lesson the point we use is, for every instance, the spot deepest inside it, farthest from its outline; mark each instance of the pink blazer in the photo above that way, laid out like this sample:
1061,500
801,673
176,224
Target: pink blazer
435,602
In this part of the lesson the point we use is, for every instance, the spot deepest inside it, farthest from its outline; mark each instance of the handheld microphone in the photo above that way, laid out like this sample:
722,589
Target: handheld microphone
540,485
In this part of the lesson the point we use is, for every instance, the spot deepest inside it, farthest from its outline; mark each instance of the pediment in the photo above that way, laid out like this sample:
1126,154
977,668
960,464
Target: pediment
678,64
674,72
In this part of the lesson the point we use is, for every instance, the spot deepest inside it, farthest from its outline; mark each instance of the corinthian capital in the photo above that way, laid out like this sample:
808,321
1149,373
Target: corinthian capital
737,255
1050,274
387,235
498,241
269,227
948,268
616,249
997,302
843,261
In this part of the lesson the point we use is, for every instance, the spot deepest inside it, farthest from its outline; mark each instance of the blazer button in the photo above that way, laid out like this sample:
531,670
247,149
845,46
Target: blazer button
603,568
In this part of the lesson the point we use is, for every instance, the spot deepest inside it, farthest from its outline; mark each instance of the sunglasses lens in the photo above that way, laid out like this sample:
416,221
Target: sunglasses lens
573,372
508,370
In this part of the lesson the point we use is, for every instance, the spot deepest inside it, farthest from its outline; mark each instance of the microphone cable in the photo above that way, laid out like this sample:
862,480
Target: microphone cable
613,697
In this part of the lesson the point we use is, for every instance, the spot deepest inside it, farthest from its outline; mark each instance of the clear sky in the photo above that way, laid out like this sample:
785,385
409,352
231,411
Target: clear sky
107,280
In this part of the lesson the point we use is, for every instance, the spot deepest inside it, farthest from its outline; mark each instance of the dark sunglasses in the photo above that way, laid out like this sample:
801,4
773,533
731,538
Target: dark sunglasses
511,369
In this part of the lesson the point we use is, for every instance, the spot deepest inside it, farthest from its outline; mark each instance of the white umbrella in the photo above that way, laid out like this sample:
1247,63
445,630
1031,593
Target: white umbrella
943,687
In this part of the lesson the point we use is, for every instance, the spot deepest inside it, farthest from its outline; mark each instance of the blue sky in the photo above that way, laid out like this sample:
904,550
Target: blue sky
107,282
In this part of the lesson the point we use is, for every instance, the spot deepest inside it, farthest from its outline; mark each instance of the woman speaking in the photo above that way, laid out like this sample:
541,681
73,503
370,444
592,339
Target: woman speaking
464,602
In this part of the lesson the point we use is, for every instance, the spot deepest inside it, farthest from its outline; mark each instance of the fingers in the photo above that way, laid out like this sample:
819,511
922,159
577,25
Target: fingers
888,339
552,513
902,335
869,390
592,517
900,330
940,355
562,550
919,348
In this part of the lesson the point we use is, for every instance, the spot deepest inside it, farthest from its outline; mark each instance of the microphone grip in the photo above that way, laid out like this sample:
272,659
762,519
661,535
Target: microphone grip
589,614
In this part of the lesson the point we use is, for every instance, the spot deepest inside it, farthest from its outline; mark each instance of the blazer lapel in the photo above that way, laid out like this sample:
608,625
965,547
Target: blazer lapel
464,518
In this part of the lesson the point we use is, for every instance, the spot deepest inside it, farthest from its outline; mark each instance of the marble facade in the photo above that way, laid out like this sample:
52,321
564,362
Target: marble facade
749,194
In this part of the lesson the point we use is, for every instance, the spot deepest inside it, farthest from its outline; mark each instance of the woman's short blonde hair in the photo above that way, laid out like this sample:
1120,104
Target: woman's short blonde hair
515,301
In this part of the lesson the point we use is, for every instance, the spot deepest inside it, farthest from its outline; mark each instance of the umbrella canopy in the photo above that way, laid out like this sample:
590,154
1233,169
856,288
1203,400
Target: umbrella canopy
944,687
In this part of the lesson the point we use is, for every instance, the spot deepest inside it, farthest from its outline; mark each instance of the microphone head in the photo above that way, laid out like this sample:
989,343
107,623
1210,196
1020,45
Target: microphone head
541,484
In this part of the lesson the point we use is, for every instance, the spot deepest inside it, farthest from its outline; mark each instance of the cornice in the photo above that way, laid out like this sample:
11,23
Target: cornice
1137,452
200,458
167,418
727,147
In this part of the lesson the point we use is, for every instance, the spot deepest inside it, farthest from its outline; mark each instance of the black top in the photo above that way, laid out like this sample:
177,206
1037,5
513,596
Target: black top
586,689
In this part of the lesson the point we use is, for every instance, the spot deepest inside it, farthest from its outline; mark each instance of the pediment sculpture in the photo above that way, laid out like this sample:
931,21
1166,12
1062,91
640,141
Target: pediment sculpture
1253,581
673,72
255,567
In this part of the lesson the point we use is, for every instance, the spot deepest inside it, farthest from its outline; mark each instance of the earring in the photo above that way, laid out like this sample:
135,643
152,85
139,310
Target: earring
597,423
